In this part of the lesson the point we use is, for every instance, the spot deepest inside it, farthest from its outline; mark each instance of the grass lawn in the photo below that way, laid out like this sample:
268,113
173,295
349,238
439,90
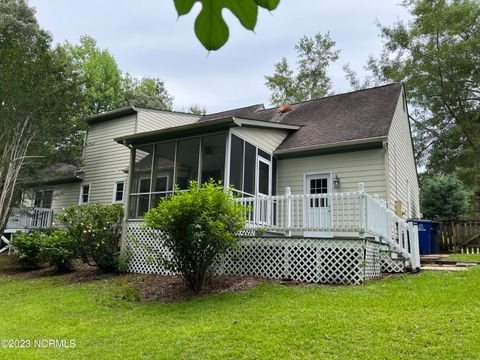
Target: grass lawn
464,257
431,315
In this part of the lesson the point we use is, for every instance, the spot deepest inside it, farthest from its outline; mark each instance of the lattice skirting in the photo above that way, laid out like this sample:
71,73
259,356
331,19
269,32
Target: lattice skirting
328,261
389,265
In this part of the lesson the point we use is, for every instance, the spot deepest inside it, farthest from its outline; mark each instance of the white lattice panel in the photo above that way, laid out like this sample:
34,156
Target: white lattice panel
146,252
372,260
389,265
328,261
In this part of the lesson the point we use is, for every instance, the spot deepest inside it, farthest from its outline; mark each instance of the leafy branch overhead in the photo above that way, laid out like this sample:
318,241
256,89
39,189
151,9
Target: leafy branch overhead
210,27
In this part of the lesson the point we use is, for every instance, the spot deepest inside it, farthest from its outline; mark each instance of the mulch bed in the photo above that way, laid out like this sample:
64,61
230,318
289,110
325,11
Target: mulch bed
151,287
172,288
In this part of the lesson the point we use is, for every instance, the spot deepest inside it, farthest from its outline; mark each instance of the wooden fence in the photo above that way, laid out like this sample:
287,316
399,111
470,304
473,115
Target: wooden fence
460,236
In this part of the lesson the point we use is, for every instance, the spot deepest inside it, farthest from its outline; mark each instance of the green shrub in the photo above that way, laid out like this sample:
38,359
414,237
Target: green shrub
443,197
198,226
98,229
27,249
59,249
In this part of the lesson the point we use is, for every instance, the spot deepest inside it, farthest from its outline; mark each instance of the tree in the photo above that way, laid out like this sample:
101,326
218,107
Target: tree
437,55
443,197
197,226
196,109
99,75
102,88
314,55
37,95
146,92
211,29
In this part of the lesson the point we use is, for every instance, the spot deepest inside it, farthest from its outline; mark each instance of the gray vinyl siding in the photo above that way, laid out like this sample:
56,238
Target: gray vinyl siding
149,120
64,195
401,162
367,166
266,139
105,161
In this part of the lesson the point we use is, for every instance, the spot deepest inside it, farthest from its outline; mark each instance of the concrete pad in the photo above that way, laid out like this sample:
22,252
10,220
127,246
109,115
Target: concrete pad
444,268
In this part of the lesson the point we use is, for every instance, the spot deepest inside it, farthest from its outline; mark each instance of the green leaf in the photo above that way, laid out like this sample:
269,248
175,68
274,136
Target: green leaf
210,27
268,4
184,6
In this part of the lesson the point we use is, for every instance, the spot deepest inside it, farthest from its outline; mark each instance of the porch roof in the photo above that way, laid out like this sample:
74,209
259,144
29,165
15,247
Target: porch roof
58,173
201,128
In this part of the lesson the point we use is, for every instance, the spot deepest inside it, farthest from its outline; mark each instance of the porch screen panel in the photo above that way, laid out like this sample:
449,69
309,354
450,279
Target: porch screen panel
249,166
163,171
213,157
187,161
140,187
236,163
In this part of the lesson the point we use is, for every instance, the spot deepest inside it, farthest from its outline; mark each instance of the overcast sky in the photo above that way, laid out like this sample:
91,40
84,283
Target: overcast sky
146,39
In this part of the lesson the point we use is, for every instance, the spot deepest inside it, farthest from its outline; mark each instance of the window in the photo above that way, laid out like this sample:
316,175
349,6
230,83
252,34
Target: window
249,166
164,166
157,168
318,186
263,178
142,169
84,194
140,188
43,199
118,191
264,154
187,161
236,163
213,157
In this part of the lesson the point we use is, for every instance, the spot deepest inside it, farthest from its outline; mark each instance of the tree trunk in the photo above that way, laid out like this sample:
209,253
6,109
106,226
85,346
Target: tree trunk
15,158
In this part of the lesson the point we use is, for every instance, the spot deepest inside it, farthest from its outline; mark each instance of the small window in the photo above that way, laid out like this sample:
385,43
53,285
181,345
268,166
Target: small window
84,194
118,191
43,199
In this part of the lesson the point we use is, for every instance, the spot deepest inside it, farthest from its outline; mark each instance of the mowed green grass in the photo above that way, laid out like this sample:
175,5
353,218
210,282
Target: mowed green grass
464,257
432,315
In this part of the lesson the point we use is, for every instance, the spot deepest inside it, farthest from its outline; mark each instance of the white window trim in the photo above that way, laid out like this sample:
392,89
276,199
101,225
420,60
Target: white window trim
80,202
115,191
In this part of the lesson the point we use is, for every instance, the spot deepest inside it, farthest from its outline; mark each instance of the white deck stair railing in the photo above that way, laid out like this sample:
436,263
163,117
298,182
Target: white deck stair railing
343,212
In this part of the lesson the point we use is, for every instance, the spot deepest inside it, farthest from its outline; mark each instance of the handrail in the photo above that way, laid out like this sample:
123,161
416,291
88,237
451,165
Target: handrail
30,218
347,212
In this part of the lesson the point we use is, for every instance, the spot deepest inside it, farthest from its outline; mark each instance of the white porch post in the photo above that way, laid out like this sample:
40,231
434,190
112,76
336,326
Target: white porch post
363,209
414,246
288,195
126,194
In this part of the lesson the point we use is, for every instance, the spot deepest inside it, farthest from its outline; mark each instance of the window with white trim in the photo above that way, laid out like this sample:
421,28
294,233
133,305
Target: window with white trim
118,190
84,194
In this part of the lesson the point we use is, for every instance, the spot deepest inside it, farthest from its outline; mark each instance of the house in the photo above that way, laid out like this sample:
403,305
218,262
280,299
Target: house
326,145
103,173
338,174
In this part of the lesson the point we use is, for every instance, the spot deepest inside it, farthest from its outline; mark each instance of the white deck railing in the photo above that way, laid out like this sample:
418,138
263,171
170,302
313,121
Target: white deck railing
30,218
346,212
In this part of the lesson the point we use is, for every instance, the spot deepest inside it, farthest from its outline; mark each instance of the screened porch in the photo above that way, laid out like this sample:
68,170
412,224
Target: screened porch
223,156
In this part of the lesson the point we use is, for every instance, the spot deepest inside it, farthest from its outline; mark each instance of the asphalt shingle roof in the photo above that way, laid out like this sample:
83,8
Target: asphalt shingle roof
355,115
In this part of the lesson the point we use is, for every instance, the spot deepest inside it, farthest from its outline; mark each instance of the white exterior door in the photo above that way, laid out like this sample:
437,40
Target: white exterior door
318,210
263,208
